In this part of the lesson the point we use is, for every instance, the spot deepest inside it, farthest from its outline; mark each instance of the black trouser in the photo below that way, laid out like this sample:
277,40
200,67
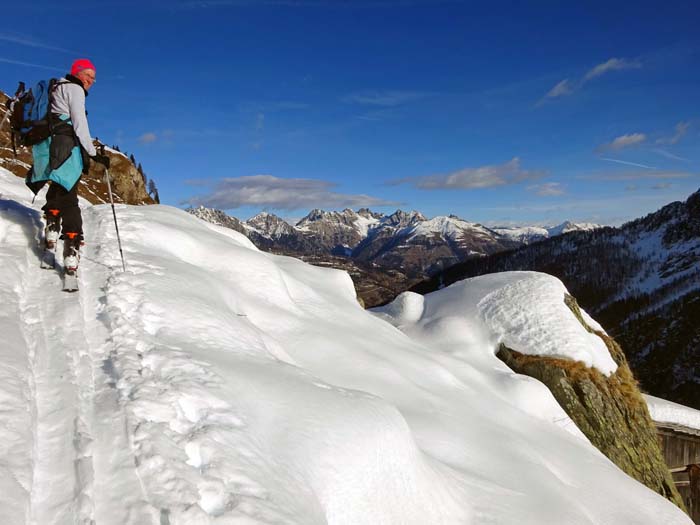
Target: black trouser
66,202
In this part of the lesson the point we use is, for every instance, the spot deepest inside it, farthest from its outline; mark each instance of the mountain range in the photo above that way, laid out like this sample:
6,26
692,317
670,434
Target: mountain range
368,244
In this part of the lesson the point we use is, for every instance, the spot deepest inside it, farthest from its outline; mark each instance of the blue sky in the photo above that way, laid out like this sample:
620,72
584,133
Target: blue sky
503,113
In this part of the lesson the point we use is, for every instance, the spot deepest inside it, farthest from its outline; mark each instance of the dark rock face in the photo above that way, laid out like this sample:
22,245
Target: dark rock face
402,219
270,225
640,281
610,411
332,232
422,256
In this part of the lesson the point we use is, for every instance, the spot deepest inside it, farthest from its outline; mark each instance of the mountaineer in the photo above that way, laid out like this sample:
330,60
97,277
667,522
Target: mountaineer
62,158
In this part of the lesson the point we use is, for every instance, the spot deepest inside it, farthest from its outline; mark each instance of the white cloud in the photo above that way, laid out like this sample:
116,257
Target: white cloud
567,87
383,98
148,138
681,130
614,64
548,189
623,141
473,178
662,186
269,192
561,89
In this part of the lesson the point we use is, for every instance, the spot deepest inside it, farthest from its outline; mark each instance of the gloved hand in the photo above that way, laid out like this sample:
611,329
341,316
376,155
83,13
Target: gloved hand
102,159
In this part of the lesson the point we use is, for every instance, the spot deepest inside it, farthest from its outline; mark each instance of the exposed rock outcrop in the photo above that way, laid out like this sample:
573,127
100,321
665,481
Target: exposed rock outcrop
610,411
128,185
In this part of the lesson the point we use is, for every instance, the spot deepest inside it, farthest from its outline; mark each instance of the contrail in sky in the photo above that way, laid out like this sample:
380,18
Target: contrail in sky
628,163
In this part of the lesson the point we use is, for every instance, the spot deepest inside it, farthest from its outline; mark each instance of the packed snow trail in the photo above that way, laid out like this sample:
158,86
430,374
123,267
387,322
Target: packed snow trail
62,472
76,419
214,384
57,480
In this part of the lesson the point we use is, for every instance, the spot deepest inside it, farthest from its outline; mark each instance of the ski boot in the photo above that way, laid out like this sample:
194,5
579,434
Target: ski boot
51,234
71,257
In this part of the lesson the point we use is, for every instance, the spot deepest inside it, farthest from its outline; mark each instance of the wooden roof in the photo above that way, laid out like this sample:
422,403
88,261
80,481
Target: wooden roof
677,428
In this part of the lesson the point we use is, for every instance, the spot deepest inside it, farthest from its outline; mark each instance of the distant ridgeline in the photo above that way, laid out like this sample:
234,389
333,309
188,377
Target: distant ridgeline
129,183
384,254
640,281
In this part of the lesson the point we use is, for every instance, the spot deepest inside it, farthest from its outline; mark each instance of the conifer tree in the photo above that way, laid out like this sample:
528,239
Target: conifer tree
153,191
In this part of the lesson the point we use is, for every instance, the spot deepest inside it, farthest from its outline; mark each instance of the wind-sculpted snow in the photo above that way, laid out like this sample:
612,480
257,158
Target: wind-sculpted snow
527,312
215,383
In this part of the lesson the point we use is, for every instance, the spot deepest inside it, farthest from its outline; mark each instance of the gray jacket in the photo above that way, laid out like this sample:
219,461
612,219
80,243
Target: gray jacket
69,99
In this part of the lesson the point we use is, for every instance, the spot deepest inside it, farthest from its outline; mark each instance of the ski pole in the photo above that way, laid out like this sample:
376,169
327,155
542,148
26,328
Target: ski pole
114,213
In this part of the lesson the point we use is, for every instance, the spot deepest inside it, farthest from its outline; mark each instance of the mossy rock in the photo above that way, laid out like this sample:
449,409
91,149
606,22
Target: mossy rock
610,411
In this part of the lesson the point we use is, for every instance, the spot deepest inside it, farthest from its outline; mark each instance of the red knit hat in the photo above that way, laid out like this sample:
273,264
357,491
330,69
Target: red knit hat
80,64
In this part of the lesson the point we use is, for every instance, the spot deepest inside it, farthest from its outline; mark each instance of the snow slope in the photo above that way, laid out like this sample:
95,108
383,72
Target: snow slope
529,234
450,227
214,383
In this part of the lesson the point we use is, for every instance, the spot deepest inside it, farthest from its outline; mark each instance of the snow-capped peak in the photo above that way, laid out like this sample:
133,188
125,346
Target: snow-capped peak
450,227
569,226
270,225
402,219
